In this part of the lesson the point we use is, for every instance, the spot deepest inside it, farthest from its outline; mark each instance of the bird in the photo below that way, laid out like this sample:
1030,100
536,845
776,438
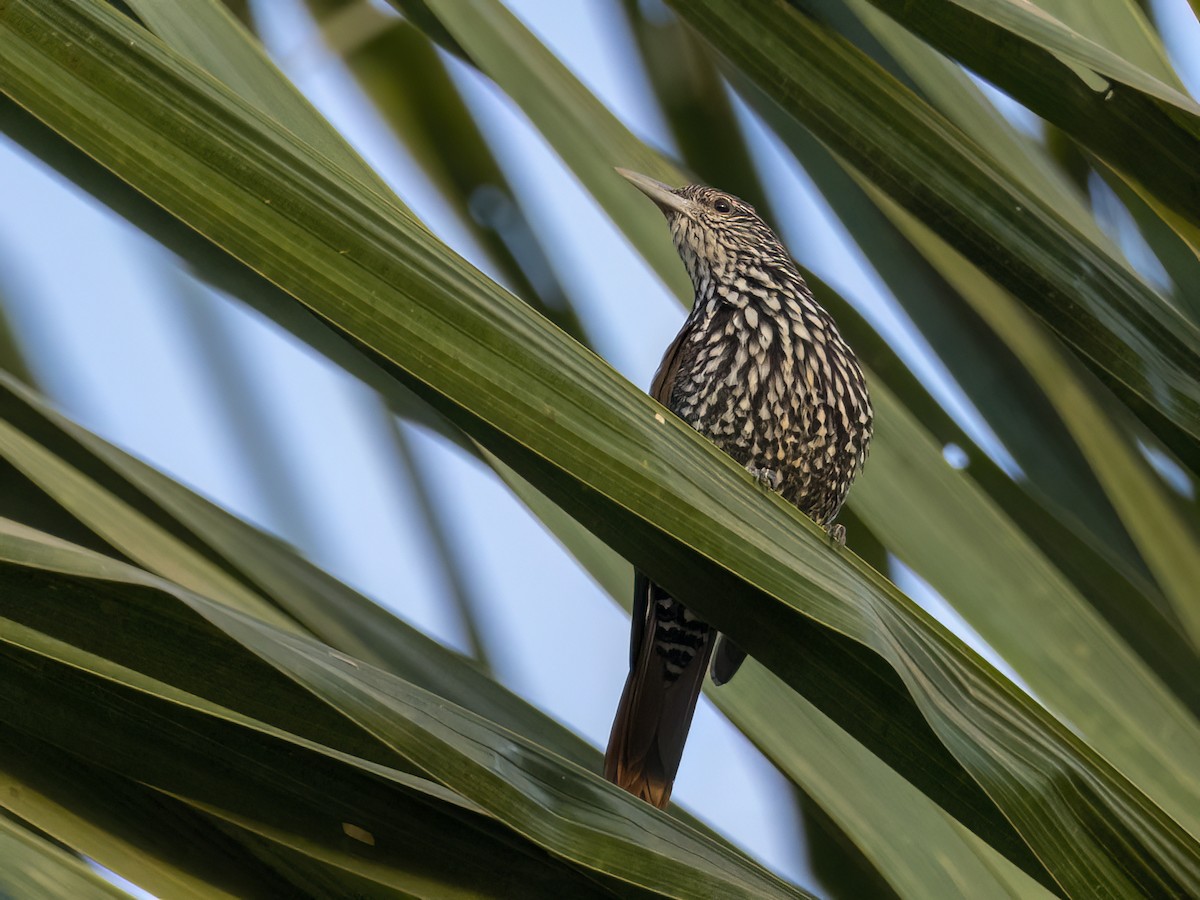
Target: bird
760,369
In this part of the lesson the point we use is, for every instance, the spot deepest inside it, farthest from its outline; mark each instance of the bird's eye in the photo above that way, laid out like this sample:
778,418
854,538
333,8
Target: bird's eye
721,205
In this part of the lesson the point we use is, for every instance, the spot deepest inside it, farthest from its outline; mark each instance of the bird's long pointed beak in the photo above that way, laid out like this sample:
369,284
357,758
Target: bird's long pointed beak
662,195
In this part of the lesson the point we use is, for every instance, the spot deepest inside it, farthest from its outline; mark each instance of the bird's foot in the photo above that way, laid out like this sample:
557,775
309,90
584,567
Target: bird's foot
837,534
767,477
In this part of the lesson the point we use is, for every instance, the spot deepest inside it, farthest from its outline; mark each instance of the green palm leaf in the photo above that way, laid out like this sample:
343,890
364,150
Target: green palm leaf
369,760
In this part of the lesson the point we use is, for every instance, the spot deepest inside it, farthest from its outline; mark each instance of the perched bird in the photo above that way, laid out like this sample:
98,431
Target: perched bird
760,369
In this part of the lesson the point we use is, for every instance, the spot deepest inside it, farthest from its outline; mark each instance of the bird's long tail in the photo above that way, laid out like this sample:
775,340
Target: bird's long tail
668,658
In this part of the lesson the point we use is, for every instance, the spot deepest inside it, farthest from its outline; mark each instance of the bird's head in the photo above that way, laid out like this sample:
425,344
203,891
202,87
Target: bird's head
718,236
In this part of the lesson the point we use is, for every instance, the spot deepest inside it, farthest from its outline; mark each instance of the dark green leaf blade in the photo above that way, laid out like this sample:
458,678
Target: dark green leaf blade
573,813
1107,103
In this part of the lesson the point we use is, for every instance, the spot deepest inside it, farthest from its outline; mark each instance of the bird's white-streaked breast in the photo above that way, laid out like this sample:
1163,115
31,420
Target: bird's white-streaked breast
768,379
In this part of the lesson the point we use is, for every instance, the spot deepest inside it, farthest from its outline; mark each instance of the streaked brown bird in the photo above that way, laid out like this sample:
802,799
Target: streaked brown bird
760,369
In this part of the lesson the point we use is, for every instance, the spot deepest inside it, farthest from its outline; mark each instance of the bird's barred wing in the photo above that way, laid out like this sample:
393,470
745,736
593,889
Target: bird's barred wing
668,370
644,591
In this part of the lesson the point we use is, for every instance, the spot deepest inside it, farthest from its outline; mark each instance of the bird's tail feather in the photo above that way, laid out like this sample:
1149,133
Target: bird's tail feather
652,722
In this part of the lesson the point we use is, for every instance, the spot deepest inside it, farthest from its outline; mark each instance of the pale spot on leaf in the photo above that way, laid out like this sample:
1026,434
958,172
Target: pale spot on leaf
358,834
